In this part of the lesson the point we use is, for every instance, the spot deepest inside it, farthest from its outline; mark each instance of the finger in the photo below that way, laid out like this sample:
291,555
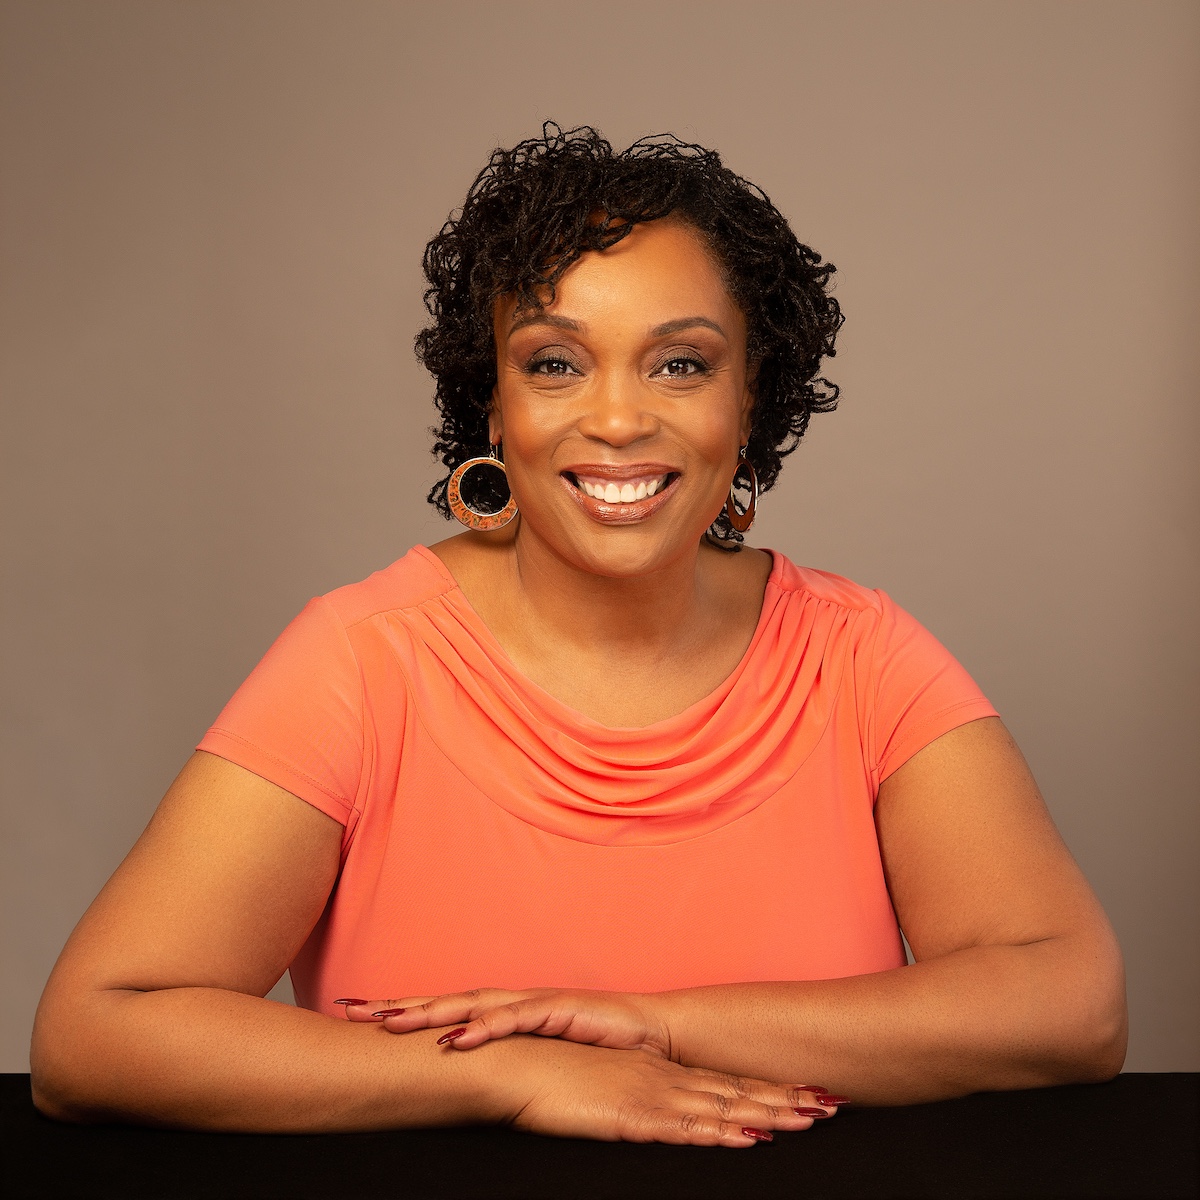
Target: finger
815,1100
517,1016
438,1011
489,1024
574,1017
691,1128
752,1113
365,1010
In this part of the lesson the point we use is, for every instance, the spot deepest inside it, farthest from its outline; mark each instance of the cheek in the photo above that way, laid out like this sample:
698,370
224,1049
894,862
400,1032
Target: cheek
532,430
713,431
531,434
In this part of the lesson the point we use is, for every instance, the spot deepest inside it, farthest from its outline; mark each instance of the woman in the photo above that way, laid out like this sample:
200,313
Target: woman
592,819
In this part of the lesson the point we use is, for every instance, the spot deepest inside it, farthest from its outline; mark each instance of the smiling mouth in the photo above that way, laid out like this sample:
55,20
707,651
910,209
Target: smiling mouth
627,491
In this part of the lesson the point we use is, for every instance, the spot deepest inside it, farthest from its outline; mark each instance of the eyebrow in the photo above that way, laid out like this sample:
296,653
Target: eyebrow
685,323
535,317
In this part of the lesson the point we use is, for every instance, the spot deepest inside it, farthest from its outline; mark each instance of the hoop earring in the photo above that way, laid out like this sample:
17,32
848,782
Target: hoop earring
472,518
741,521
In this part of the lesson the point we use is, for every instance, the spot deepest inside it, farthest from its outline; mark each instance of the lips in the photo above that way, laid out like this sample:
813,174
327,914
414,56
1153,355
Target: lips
620,494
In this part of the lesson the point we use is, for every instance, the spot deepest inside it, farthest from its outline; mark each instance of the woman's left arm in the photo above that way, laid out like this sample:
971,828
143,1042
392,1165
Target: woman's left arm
1018,980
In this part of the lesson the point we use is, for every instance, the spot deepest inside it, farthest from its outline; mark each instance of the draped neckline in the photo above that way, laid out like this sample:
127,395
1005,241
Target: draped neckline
566,773
551,706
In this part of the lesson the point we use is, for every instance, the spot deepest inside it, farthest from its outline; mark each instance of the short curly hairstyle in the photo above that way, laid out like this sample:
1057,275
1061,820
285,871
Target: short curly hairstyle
533,210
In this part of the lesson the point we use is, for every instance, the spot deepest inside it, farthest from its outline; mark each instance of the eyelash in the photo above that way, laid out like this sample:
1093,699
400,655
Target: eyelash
556,360
699,363
549,360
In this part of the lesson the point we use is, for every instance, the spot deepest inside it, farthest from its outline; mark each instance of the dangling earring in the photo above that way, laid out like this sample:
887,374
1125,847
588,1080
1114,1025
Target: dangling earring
463,512
741,521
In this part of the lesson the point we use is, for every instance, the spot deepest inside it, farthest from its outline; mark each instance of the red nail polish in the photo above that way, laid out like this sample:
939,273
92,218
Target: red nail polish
349,1002
812,1087
389,1012
833,1101
815,1113
449,1037
759,1135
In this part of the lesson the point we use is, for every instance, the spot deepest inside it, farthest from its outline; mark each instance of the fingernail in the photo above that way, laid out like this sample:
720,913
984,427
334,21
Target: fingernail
833,1101
759,1135
812,1087
389,1012
815,1113
349,1002
449,1037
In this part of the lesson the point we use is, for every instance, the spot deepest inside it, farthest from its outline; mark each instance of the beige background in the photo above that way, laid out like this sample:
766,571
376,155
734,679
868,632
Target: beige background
213,217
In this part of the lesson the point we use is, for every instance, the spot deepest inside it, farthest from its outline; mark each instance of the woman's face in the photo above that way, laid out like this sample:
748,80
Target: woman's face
622,406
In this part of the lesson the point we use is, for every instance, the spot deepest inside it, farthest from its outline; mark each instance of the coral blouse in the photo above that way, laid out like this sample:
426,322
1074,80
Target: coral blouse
495,837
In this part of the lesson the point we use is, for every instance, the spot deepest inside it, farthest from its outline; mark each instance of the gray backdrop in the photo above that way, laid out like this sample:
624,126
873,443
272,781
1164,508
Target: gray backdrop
213,218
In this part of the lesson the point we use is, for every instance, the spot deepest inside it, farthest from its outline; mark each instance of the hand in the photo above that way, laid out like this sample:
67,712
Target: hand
561,1089
614,1020
620,1087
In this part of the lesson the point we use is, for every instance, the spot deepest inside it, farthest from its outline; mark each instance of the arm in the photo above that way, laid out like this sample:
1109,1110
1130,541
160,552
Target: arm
1017,982
155,1011
1017,979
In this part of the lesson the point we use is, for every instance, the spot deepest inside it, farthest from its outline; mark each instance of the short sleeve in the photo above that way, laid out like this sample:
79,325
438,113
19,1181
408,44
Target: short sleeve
921,690
298,718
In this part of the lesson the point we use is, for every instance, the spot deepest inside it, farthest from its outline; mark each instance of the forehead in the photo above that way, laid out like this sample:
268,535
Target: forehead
659,271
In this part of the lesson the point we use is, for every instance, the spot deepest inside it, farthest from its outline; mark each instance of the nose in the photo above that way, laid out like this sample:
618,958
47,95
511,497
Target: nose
620,411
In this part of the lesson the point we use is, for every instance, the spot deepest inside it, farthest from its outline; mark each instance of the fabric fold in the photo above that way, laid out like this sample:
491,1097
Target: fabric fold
567,774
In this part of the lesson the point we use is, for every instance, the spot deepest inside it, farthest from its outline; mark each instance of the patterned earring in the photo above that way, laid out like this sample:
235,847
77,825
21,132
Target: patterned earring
472,518
741,521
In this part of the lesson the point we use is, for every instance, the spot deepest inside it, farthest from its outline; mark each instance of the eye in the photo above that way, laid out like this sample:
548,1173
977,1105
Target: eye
550,365
683,366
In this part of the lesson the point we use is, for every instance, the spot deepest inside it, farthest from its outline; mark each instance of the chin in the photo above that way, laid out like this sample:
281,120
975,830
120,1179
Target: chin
627,553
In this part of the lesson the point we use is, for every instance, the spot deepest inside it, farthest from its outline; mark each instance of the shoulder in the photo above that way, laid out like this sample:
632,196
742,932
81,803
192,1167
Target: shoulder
407,583
833,589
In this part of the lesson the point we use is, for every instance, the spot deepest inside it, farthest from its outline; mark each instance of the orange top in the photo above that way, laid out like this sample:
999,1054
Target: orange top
495,837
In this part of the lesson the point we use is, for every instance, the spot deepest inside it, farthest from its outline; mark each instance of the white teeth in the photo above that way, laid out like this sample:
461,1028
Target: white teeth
624,493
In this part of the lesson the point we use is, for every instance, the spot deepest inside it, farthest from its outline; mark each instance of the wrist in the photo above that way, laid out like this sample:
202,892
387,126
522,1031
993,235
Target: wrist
661,1011
496,1081
429,1086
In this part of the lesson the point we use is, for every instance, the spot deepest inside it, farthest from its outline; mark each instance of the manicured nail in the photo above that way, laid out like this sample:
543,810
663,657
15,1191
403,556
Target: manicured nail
389,1012
449,1037
833,1101
812,1087
815,1113
349,1002
759,1135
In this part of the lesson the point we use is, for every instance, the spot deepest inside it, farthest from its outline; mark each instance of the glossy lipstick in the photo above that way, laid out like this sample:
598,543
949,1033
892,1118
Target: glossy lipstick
653,480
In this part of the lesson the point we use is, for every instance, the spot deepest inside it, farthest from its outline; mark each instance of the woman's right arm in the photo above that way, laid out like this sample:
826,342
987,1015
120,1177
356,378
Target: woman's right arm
155,1013
155,1010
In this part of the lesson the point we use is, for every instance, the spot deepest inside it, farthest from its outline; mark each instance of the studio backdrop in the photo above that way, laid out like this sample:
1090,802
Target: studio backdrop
213,215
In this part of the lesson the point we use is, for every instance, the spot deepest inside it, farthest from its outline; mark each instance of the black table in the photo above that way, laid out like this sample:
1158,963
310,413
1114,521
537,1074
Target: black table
1134,1137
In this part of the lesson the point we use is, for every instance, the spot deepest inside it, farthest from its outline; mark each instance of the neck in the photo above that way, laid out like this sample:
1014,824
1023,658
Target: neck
643,615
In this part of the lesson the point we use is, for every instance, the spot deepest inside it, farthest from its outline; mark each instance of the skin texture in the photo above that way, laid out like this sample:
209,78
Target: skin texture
155,1010
629,624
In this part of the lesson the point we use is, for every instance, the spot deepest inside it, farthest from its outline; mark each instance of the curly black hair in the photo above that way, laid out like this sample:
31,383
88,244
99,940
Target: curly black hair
532,211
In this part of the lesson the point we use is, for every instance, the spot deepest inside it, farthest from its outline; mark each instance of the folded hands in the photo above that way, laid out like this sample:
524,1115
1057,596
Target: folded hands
645,1094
